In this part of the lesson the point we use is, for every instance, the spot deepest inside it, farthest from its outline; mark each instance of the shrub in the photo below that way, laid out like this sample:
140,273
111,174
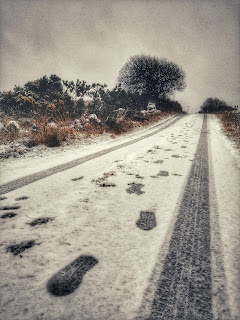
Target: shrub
231,119
52,136
231,124
114,125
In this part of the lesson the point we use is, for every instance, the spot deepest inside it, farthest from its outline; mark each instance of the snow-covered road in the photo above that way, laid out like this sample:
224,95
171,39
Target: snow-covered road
104,251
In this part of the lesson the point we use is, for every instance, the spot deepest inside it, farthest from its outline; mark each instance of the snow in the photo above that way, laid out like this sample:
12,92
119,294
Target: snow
101,222
226,174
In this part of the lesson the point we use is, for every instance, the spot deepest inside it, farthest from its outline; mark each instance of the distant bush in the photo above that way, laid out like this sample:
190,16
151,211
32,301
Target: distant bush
215,105
114,125
168,105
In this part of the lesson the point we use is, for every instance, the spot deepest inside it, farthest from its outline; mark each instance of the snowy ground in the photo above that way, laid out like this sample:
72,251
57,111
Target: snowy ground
101,222
225,176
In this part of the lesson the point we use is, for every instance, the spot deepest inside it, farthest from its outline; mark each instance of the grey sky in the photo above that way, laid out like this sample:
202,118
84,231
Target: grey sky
92,39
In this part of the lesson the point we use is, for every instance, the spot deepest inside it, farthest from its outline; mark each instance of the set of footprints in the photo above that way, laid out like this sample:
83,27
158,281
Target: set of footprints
10,209
68,279
147,220
18,249
10,212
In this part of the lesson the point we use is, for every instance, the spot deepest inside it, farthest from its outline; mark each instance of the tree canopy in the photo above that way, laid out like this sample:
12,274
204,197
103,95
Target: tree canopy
151,77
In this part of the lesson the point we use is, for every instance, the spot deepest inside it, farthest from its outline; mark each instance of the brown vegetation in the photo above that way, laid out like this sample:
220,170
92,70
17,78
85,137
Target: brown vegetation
40,130
52,136
231,125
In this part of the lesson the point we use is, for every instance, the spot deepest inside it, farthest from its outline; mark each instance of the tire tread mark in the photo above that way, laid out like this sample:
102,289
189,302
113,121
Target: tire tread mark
184,290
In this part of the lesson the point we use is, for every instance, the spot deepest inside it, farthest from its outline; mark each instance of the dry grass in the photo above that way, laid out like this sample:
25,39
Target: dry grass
231,125
127,125
108,174
52,136
5,135
39,130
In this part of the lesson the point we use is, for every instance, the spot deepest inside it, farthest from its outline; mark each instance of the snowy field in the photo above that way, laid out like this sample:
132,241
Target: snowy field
94,208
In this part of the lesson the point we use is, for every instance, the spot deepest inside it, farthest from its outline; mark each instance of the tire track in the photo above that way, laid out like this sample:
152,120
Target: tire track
21,182
184,290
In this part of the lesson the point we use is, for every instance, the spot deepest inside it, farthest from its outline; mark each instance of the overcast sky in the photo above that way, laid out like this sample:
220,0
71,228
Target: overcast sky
92,39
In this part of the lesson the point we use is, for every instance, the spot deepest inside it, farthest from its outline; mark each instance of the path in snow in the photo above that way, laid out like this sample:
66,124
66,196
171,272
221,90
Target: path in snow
184,290
185,285
88,240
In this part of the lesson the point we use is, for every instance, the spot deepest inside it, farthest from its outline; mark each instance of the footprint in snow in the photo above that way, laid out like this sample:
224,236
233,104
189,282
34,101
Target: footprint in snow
68,279
8,215
161,174
147,220
40,221
76,179
20,247
159,161
138,176
135,188
21,198
151,151
10,208
107,184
